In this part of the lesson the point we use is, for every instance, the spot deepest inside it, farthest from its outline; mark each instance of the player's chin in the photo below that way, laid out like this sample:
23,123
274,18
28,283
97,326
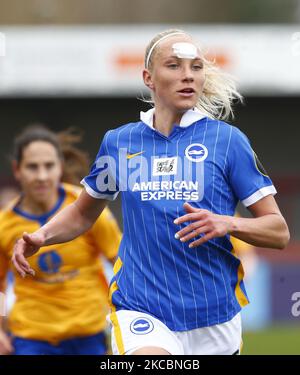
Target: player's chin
42,197
185,106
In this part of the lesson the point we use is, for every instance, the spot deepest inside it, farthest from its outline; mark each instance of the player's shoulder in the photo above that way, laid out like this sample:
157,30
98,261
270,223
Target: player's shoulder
72,191
221,124
227,128
2,215
7,212
9,219
123,130
223,131
121,136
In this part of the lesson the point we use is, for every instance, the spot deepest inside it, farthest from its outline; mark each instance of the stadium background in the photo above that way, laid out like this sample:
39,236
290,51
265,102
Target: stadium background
270,116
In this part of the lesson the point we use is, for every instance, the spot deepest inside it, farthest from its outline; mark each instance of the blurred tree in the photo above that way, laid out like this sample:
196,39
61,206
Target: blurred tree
265,11
147,11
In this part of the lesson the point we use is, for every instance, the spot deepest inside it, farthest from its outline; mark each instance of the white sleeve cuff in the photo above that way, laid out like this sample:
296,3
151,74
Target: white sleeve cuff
94,194
259,194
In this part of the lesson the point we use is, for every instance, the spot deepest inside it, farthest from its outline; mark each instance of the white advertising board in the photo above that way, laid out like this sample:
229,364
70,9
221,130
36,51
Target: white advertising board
104,61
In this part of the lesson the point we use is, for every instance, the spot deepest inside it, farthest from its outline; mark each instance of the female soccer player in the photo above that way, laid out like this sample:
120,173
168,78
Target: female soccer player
178,286
62,309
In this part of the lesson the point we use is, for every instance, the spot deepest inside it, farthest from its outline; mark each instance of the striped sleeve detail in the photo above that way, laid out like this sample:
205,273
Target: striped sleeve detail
117,266
240,296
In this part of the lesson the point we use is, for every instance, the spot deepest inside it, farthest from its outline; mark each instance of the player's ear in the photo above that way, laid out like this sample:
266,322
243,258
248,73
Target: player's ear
148,79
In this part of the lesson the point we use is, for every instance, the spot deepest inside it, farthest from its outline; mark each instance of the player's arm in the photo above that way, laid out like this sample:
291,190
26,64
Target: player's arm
68,224
267,228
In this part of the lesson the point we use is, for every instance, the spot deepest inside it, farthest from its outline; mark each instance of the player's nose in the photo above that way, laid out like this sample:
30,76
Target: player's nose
187,74
42,174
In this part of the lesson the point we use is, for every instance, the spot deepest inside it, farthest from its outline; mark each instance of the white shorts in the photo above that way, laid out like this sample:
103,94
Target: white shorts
132,330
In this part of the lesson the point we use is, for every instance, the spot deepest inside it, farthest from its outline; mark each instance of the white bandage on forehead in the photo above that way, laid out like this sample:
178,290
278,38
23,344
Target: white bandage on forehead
157,42
185,50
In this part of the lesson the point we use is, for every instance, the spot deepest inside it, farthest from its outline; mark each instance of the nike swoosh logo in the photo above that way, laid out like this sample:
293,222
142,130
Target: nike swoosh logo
130,156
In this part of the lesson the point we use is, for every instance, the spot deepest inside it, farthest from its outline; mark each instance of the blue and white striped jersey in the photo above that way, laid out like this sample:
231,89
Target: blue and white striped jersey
206,162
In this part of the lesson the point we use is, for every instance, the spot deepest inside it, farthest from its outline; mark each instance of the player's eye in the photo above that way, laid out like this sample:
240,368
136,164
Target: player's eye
198,66
173,66
49,165
31,167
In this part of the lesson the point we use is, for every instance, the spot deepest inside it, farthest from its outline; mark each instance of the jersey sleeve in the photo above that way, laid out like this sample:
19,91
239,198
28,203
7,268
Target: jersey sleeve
102,181
107,234
248,178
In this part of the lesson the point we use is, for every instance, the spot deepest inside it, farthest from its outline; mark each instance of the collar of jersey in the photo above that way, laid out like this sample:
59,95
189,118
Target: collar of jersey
42,219
189,117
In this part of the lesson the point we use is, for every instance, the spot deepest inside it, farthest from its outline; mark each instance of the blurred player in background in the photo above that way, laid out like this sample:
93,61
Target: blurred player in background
178,288
62,309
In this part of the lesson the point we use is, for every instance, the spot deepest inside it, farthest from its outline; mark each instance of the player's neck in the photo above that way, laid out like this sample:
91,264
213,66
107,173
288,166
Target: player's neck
38,208
164,120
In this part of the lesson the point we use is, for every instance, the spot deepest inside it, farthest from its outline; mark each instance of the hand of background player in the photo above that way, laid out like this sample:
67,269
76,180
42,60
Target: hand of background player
204,223
26,247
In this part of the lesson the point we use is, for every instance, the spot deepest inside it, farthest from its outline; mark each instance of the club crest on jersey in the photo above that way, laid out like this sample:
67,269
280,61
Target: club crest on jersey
196,152
50,262
259,166
141,326
165,166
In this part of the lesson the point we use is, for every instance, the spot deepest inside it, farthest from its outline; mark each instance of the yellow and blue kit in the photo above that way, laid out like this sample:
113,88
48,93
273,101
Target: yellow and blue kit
67,297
